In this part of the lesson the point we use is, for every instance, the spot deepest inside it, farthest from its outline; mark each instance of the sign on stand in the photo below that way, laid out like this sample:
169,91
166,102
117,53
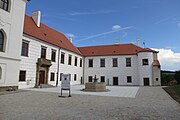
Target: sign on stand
65,83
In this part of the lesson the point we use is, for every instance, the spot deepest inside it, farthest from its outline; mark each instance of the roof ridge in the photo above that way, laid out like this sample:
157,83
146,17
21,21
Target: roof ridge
107,45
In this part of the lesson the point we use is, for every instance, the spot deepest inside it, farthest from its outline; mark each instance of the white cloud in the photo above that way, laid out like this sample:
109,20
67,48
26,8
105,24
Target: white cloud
169,59
116,27
178,24
105,33
70,35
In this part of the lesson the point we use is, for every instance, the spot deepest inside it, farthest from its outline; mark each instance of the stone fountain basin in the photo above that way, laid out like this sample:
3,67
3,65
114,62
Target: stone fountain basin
95,87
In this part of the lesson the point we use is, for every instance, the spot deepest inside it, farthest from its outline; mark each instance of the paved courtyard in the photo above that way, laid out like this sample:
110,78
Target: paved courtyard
115,91
150,103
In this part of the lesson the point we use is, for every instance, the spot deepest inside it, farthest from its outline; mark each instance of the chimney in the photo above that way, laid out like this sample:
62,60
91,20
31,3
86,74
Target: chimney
36,16
70,39
139,43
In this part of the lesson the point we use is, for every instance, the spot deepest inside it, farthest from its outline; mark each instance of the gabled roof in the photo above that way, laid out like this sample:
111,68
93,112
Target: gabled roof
48,35
115,49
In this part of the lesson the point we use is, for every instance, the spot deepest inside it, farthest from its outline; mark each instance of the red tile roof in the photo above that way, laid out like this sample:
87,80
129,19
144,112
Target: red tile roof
54,37
156,63
115,49
48,35
148,50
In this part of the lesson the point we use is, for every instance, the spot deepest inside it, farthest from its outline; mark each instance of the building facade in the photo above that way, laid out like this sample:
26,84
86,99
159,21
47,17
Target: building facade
38,55
11,31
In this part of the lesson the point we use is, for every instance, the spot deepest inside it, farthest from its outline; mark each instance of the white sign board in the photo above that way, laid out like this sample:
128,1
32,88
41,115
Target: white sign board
65,81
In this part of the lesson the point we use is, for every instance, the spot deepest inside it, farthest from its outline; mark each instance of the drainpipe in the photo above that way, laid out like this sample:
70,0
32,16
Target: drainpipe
83,70
58,67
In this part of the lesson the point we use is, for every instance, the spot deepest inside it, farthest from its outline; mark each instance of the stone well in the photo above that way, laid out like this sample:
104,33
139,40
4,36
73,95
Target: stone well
95,86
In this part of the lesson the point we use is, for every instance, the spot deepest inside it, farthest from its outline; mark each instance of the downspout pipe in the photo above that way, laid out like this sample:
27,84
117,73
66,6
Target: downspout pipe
58,67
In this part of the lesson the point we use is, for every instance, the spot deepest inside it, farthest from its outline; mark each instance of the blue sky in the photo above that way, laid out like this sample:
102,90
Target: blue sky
97,22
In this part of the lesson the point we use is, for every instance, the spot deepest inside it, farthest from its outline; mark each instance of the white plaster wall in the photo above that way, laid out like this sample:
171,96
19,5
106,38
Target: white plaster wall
109,72
156,74
11,23
71,69
145,71
29,63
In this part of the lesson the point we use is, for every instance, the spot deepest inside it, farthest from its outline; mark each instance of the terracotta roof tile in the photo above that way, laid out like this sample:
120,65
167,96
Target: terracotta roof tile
156,63
107,50
54,37
48,34
148,50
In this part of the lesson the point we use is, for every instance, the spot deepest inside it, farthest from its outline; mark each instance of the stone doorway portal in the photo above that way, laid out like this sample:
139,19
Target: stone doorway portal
43,66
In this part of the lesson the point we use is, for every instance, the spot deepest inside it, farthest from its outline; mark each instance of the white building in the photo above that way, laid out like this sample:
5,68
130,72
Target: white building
45,54
11,31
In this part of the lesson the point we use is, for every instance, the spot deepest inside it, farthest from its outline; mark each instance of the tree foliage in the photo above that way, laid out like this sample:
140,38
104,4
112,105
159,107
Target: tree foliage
166,78
177,76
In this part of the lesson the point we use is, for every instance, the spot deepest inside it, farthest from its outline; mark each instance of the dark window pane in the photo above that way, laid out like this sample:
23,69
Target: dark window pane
80,62
1,41
128,62
43,52
90,78
90,62
22,76
102,78
69,60
75,62
53,56
52,76
115,62
145,62
62,58
25,49
102,62
129,79
4,4
75,77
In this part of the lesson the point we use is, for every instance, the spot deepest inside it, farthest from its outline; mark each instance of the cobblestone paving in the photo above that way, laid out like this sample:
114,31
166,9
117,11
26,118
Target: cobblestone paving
150,103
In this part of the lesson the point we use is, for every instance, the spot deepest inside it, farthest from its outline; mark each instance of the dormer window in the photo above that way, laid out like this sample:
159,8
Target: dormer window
4,4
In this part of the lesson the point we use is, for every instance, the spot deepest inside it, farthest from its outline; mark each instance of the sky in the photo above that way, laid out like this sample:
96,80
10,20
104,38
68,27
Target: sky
99,22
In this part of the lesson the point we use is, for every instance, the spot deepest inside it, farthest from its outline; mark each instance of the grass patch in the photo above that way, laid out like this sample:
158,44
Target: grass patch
174,92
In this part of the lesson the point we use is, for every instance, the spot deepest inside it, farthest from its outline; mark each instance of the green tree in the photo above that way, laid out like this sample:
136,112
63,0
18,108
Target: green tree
177,76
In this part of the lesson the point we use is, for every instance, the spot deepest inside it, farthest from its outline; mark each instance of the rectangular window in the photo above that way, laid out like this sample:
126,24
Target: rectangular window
75,77
90,62
144,61
102,78
128,62
52,76
115,62
62,57
69,59
102,62
43,52
80,62
53,55
25,48
61,76
129,79
22,76
75,61
90,78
